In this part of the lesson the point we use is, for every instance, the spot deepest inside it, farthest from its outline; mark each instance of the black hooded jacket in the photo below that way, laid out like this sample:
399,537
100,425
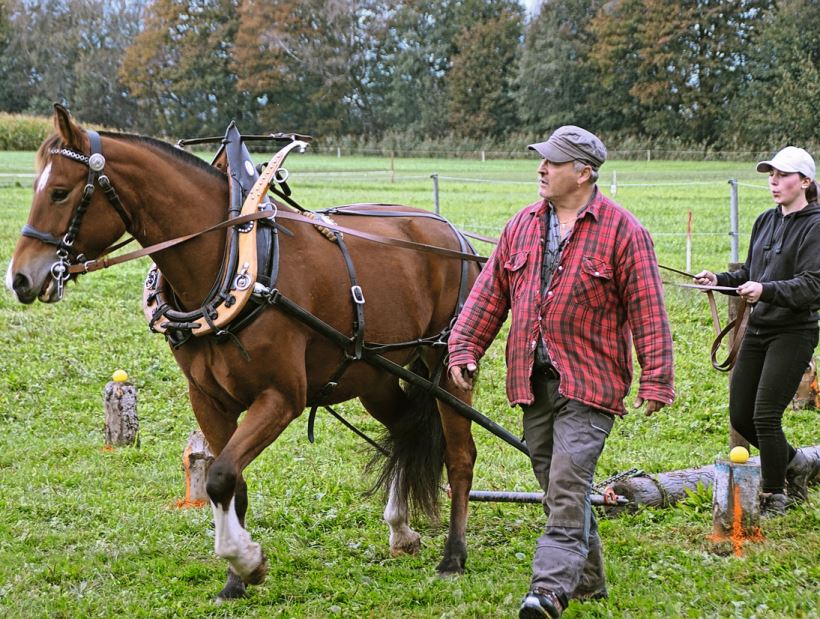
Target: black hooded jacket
784,256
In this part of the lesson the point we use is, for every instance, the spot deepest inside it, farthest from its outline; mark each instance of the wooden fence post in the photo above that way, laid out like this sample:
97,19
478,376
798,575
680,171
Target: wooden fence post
120,402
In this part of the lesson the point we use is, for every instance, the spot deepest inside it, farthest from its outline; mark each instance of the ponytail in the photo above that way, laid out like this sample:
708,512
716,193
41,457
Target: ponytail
811,192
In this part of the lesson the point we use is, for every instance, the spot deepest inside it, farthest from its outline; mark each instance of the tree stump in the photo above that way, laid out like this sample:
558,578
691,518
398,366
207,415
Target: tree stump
121,422
196,460
735,500
806,396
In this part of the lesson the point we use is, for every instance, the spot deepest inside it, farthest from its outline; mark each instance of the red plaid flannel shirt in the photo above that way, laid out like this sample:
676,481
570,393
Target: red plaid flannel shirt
605,291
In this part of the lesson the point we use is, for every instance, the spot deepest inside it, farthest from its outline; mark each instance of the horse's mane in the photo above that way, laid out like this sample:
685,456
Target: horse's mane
55,141
175,152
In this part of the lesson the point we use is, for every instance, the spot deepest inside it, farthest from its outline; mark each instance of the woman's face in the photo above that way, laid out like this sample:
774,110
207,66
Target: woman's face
787,188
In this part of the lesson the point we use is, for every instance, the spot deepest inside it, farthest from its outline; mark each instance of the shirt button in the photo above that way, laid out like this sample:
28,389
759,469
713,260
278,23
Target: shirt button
560,268
549,294
597,274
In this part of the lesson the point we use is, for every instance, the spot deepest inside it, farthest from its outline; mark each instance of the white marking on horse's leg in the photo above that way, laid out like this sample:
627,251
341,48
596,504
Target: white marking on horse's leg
403,539
233,543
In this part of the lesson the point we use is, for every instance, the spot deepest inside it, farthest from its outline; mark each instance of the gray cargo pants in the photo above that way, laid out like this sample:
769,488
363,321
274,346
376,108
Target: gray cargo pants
565,439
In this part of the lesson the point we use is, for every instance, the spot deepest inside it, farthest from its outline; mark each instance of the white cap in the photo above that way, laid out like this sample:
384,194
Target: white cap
790,159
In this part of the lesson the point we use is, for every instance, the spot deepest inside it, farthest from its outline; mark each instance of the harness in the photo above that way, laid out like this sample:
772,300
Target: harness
246,283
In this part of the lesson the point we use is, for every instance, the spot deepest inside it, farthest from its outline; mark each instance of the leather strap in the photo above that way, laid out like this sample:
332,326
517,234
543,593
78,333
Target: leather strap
736,327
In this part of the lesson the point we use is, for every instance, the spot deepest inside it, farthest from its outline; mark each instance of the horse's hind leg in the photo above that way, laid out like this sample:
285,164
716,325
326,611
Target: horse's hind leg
403,539
410,466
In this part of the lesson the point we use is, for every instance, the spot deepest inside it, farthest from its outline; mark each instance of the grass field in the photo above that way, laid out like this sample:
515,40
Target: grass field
90,533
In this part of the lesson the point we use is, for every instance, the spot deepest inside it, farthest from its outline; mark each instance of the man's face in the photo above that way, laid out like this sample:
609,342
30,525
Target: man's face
558,179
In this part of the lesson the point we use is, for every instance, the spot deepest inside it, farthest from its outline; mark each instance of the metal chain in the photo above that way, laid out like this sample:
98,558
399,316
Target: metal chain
602,485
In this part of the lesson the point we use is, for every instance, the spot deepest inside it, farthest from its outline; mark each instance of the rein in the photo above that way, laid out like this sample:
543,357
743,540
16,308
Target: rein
103,263
737,326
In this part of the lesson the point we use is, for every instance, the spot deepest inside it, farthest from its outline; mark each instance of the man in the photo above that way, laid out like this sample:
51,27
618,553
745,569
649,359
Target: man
580,276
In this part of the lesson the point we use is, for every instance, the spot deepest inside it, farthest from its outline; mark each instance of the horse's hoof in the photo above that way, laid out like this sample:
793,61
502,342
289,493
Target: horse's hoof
449,568
257,577
234,588
408,547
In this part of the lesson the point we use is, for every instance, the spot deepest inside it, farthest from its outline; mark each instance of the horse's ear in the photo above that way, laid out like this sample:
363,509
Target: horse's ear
69,131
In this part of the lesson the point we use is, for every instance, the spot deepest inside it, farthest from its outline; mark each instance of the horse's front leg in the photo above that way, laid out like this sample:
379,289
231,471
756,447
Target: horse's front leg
267,417
218,427
460,455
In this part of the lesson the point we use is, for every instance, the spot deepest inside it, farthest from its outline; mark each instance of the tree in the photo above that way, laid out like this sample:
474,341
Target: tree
553,85
681,61
313,64
479,84
68,51
777,103
179,71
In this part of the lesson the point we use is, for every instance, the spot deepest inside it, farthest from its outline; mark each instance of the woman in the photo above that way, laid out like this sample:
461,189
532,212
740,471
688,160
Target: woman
781,279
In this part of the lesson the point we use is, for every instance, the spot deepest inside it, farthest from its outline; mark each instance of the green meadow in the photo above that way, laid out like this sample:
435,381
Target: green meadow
91,533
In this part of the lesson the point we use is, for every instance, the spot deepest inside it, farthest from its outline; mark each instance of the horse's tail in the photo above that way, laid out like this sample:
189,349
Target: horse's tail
415,451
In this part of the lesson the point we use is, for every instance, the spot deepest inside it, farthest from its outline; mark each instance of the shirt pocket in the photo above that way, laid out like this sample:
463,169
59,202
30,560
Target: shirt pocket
593,283
514,267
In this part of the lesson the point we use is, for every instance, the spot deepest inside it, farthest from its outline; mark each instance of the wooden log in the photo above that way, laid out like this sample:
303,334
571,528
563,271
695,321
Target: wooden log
666,489
196,460
121,421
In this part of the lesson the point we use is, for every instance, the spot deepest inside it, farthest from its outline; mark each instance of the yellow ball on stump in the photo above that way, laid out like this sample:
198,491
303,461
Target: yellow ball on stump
739,455
119,376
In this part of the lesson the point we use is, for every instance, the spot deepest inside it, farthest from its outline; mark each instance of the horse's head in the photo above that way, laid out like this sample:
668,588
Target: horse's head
69,221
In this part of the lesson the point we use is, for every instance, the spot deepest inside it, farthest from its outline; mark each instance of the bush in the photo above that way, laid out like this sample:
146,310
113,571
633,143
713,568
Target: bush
18,132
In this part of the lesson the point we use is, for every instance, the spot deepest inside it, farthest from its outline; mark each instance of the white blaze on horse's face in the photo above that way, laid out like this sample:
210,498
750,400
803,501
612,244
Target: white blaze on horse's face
42,181
9,276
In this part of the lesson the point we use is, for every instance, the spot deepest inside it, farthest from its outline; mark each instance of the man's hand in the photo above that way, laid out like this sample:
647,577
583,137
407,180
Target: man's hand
652,406
462,376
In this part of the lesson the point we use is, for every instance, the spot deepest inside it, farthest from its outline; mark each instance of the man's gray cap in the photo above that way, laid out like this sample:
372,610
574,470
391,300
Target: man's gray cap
571,143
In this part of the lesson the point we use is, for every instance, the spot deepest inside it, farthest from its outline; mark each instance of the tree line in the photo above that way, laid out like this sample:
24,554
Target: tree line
703,74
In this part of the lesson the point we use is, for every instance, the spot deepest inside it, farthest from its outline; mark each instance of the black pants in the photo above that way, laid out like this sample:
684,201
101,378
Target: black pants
764,380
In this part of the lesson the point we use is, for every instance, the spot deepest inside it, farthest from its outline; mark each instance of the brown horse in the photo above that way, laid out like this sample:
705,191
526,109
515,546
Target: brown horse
276,364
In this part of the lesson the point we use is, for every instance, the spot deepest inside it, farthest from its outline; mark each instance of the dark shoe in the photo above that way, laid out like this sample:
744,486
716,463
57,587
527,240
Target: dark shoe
539,603
773,504
798,473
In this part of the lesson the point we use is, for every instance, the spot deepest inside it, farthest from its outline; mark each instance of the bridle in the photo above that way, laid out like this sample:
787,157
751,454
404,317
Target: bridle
95,161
